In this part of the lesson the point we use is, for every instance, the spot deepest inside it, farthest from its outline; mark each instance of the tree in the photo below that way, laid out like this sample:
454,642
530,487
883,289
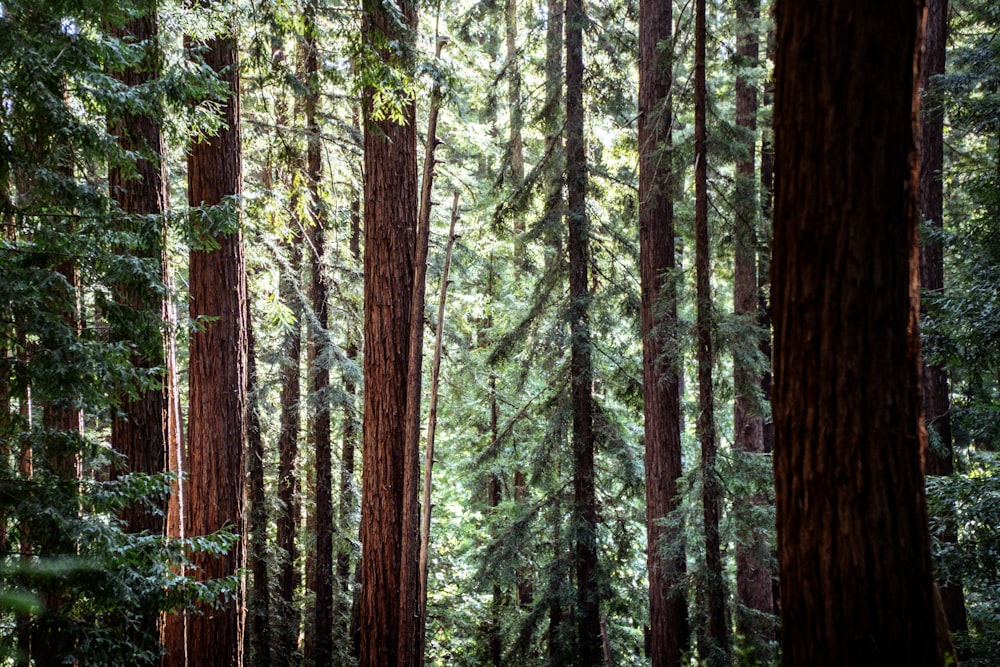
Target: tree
584,501
668,636
716,648
390,210
753,572
937,404
853,543
218,360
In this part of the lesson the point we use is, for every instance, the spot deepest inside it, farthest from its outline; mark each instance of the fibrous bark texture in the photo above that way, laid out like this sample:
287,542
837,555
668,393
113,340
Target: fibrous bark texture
668,636
218,368
853,544
390,212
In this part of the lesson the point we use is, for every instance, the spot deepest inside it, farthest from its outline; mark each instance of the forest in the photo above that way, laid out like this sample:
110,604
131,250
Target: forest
499,332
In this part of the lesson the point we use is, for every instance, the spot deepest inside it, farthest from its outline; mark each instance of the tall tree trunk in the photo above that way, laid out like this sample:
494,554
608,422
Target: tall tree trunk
319,652
412,648
584,499
717,633
218,365
141,433
425,519
753,573
853,543
289,574
259,606
937,408
390,220
516,122
668,632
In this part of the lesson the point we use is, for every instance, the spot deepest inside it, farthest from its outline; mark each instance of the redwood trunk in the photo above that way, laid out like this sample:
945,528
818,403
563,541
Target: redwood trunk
581,366
717,633
289,573
390,220
319,651
853,543
668,631
218,369
937,407
753,573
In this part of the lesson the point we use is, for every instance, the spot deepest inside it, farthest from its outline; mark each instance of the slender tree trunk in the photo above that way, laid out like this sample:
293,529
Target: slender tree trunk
412,651
259,606
585,503
937,408
390,221
425,519
320,652
668,632
218,366
753,573
496,606
853,543
289,574
717,631
516,122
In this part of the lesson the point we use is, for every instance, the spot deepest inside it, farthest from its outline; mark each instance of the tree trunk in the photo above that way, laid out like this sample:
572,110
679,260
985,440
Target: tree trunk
289,574
259,606
937,408
584,500
390,220
141,433
753,573
717,632
853,543
319,651
412,651
218,366
668,631
425,519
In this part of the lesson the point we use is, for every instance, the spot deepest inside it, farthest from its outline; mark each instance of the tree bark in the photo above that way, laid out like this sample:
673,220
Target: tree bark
319,651
668,632
412,544
259,606
753,573
390,221
937,408
289,574
218,366
425,519
853,542
584,499
716,652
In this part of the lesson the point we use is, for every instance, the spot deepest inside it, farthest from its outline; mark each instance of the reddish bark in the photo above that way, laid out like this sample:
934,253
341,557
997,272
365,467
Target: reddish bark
390,220
668,632
218,369
937,407
853,543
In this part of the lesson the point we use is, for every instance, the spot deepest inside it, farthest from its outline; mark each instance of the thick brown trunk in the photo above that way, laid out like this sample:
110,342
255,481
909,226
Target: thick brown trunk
390,222
668,631
753,573
716,651
937,408
585,503
853,543
218,367
289,573
319,652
